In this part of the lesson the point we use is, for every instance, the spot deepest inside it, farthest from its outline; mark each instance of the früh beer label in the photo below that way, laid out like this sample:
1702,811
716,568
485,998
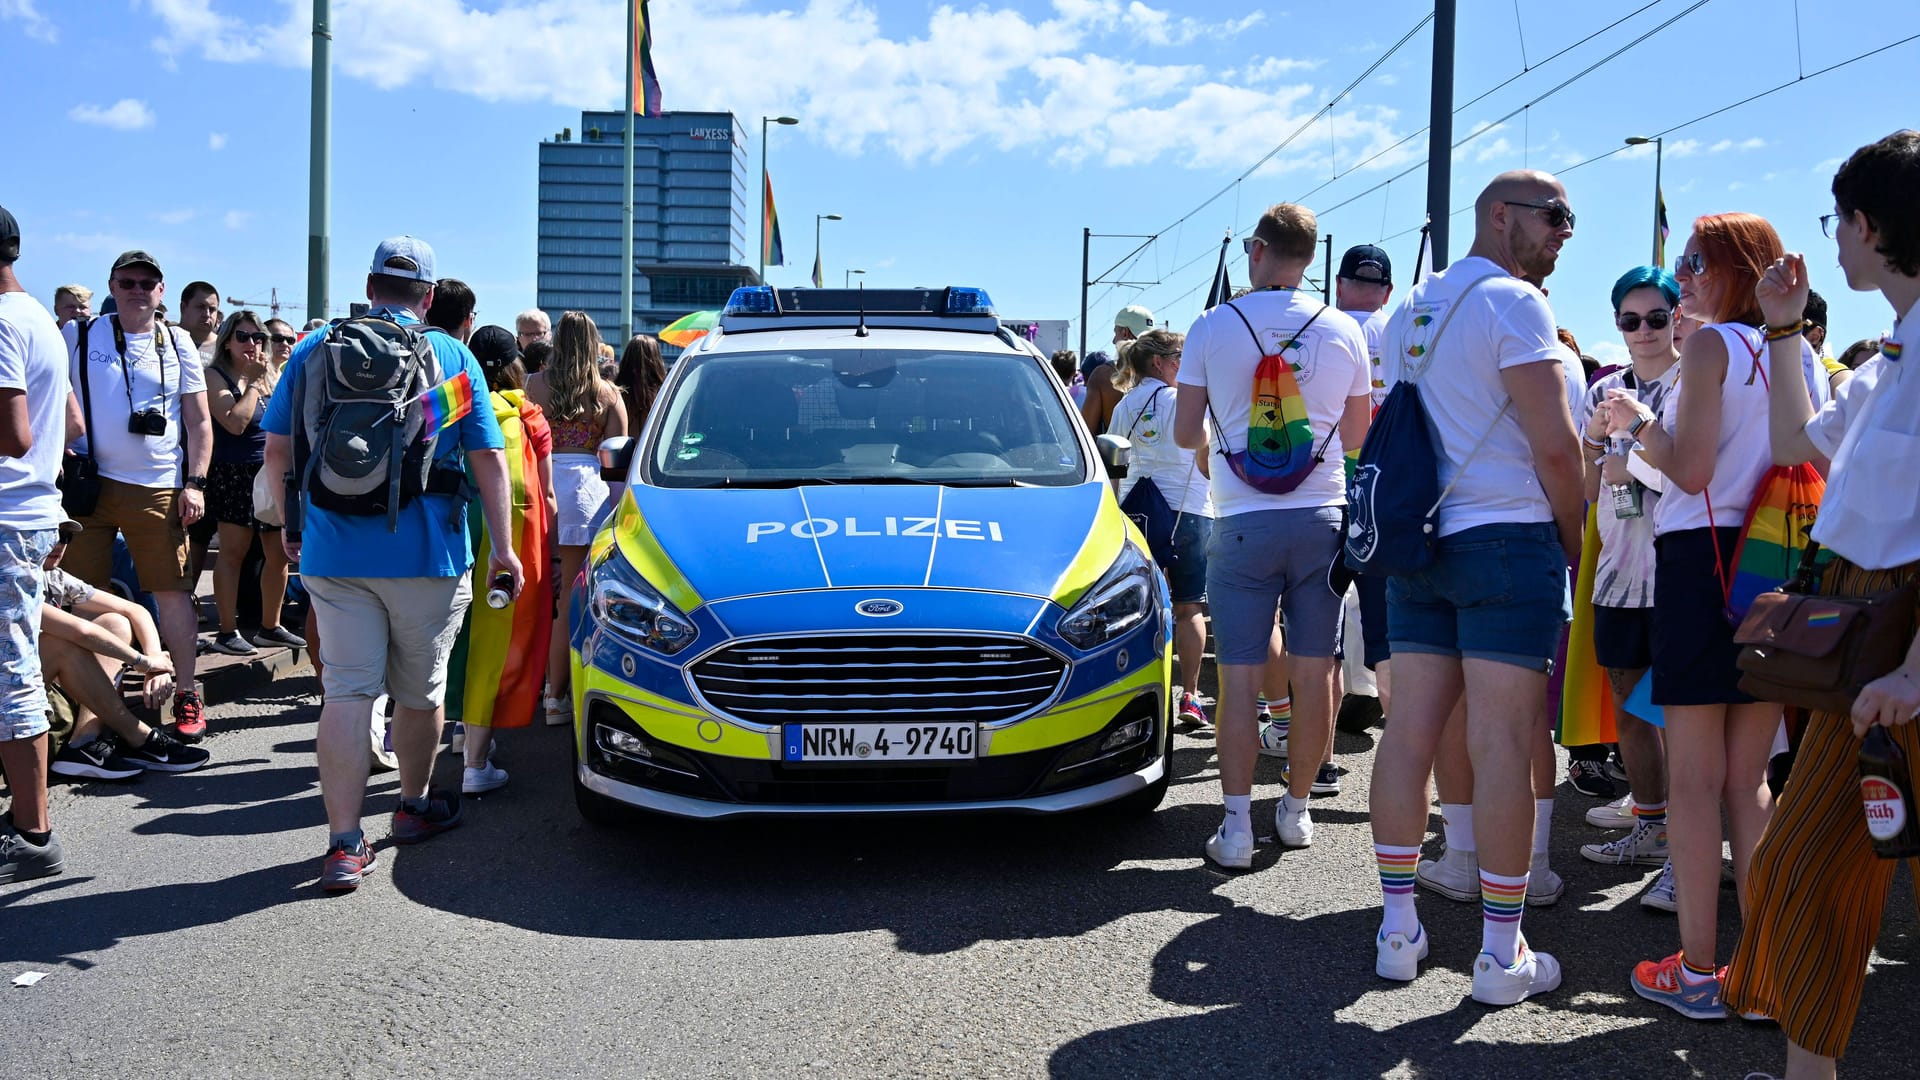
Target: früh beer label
1886,810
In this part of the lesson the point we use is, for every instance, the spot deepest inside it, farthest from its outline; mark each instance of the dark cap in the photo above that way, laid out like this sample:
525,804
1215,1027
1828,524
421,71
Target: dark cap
495,347
136,257
9,236
1365,262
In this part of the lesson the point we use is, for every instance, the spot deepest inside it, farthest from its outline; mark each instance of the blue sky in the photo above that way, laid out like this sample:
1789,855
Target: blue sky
963,144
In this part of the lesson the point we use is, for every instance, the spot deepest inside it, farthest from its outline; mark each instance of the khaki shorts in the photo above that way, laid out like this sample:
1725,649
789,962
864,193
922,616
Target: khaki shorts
150,520
388,635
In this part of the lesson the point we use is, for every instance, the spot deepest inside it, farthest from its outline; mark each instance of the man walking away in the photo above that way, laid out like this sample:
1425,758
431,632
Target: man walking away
1362,289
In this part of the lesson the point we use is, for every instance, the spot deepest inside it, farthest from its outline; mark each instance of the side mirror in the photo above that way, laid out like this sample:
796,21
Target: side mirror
616,458
1116,453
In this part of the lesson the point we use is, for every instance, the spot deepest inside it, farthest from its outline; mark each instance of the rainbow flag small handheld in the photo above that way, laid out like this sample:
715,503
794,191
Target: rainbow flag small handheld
445,404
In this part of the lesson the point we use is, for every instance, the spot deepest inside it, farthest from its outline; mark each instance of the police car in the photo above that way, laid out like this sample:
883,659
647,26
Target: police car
867,560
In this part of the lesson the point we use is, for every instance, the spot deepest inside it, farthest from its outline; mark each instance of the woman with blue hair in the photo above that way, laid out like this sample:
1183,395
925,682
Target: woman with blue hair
1644,302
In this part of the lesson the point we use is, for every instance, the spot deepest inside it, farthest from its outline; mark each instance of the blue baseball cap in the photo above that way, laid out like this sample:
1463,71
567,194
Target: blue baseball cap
404,257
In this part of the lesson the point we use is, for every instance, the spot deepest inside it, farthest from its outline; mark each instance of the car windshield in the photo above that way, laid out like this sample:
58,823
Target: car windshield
778,419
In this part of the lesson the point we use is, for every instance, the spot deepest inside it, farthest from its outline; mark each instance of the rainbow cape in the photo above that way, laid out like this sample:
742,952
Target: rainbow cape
445,404
1586,701
500,658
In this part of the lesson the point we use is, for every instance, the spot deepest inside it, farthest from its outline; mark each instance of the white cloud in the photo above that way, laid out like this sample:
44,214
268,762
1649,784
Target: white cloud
1608,352
1755,143
175,217
1685,148
127,114
216,140
1274,67
32,23
237,219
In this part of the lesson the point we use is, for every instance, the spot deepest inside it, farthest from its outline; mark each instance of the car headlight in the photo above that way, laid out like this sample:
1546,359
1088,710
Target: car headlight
622,601
1121,600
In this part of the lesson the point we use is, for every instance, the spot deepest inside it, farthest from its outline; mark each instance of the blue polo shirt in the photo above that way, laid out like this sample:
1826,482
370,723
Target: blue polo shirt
431,539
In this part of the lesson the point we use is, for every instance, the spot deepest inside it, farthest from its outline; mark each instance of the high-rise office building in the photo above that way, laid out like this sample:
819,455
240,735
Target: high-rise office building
691,199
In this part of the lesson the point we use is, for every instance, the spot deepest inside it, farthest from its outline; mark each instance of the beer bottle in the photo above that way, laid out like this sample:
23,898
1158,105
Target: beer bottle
1886,793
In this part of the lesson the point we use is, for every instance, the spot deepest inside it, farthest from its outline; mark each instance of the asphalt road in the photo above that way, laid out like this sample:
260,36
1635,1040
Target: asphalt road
187,938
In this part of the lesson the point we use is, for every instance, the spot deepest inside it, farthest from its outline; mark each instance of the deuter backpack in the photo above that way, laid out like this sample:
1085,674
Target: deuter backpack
1394,497
361,446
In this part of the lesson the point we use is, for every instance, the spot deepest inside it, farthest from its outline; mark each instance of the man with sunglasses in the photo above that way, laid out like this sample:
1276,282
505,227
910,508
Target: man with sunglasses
143,392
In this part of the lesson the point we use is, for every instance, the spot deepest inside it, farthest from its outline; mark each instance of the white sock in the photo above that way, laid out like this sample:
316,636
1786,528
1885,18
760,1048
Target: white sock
1542,825
1239,819
1292,805
1457,821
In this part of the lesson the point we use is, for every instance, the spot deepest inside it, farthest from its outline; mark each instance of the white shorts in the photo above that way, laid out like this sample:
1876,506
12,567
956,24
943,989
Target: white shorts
580,492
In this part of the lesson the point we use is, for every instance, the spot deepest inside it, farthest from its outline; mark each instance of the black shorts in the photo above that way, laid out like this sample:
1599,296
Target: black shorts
1623,637
1694,657
230,495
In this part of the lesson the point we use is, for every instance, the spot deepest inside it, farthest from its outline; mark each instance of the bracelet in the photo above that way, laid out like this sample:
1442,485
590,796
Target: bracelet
1591,445
1779,333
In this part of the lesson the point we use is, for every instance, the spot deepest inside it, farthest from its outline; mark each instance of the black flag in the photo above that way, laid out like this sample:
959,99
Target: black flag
1222,289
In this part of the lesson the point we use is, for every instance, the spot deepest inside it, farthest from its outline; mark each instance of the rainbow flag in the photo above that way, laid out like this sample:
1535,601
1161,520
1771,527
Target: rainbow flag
1778,521
646,84
1586,700
1660,228
1279,452
772,253
446,404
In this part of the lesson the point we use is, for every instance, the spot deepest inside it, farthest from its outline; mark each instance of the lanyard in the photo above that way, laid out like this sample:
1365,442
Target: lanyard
120,344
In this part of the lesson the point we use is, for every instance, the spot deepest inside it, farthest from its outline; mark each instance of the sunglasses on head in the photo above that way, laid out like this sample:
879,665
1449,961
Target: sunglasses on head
1629,321
139,284
1555,214
258,337
1690,263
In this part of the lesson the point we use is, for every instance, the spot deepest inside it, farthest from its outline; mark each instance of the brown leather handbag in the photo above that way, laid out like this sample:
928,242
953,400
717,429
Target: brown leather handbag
1818,652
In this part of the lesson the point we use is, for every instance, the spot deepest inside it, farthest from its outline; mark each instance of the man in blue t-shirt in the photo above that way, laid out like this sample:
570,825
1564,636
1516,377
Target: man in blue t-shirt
390,602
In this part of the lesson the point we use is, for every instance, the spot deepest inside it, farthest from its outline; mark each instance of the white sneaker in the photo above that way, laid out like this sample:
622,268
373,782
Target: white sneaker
1272,742
1397,956
559,713
1646,845
489,777
457,741
1532,973
1617,814
1544,887
1231,852
1661,896
1454,875
1295,830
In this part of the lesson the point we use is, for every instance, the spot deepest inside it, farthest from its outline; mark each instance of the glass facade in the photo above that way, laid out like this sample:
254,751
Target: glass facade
692,197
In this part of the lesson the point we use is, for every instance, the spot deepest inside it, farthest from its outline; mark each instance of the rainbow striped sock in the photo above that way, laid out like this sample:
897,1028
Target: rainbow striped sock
1397,865
1651,813
1502,899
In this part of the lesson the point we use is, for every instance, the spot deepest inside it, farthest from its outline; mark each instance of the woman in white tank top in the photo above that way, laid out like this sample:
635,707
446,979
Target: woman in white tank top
1712,444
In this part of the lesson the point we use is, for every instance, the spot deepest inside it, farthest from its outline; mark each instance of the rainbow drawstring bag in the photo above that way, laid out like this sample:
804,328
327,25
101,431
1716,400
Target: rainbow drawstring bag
1279,453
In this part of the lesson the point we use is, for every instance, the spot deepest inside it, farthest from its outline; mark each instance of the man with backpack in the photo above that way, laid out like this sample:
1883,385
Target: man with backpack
1281,380
1469,495
370,427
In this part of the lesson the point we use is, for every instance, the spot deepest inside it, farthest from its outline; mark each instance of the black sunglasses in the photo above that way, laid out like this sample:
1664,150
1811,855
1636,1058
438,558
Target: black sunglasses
1555,214
1690,262
1629,321
258,337
66,536
143,284
284,339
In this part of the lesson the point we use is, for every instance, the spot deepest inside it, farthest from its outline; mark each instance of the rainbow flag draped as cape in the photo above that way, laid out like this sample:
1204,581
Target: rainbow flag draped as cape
1778,528
448,403
1586,701
500,658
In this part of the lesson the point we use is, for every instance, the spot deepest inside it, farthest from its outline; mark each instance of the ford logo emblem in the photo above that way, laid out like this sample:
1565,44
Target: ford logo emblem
878,609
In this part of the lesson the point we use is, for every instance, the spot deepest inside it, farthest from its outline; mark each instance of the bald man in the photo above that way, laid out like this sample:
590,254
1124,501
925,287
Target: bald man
1486,617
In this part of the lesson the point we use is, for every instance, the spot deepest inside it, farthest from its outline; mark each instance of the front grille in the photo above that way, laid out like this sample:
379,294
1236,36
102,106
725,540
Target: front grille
878,677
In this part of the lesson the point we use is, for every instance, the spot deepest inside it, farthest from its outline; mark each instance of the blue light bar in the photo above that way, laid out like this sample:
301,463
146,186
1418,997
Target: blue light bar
968,301
751,300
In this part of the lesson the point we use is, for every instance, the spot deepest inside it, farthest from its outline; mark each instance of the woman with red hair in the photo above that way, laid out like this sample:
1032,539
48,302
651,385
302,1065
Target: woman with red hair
1713,447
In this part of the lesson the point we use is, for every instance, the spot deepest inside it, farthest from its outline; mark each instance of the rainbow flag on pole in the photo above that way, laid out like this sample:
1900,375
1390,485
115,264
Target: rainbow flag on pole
446,404
773,254
1660,224
646,83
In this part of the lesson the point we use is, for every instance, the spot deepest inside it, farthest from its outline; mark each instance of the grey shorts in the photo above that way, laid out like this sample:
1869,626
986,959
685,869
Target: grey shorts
388,635
1272,559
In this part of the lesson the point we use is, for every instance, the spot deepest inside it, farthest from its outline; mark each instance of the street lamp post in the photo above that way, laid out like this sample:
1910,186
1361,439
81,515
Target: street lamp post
764,121
1659,147
846,279
817,219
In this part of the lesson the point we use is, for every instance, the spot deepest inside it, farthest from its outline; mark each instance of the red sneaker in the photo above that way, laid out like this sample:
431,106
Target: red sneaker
343,868
189,717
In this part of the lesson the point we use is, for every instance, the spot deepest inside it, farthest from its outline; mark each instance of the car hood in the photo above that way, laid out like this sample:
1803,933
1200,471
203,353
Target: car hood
700,546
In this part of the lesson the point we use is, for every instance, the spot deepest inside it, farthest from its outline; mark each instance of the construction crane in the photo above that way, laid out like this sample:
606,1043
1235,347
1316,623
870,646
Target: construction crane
272,305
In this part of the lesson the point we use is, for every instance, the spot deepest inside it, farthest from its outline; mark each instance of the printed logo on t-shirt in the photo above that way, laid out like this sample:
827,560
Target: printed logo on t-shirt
1418,338
1288,344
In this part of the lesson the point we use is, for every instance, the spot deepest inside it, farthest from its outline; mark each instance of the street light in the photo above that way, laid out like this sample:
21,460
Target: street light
786,121
846,279
1659,242
817,219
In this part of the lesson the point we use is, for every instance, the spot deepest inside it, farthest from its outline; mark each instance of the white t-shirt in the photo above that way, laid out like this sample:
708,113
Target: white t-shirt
31,360
1871,430
1145,418
1330,366
1504,323
1744,454
1373,328
151,461
1623,576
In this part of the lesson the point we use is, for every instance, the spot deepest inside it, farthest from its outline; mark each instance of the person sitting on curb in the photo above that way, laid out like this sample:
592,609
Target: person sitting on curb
87,636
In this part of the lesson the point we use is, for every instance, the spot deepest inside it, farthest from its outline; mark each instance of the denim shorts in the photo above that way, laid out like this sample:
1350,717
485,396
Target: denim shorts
1495,592
23,581
1187,577
1267,560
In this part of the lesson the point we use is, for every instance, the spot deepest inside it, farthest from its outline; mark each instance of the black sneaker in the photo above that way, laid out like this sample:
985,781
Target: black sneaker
231,643
23,861
279,637
1616,768
164,753
99,759
1327,780
442,813
1590,778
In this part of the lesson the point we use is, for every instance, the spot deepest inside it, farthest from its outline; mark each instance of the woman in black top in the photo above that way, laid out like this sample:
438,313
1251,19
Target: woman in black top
239,382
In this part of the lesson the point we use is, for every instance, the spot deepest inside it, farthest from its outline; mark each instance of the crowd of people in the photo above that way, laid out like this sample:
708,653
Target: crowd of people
122,426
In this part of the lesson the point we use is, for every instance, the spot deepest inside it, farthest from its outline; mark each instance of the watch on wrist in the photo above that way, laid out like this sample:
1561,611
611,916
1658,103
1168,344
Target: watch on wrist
1634,431
197,483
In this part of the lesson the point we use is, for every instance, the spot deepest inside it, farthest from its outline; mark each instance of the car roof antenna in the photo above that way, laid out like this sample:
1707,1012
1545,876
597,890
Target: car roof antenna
861,330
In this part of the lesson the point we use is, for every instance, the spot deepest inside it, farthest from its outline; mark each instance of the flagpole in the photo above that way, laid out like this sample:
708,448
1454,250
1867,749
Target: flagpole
626,198
1659,148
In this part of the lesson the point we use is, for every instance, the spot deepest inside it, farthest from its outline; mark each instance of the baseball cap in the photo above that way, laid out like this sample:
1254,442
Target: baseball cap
404,257
136,257
9,236
71,526
1365,262
1135,318
495,347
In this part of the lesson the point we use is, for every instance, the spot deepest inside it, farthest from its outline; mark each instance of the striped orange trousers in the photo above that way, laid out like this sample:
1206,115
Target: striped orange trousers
1817,891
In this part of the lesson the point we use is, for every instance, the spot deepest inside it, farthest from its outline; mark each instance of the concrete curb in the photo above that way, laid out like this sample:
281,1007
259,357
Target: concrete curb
245,677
